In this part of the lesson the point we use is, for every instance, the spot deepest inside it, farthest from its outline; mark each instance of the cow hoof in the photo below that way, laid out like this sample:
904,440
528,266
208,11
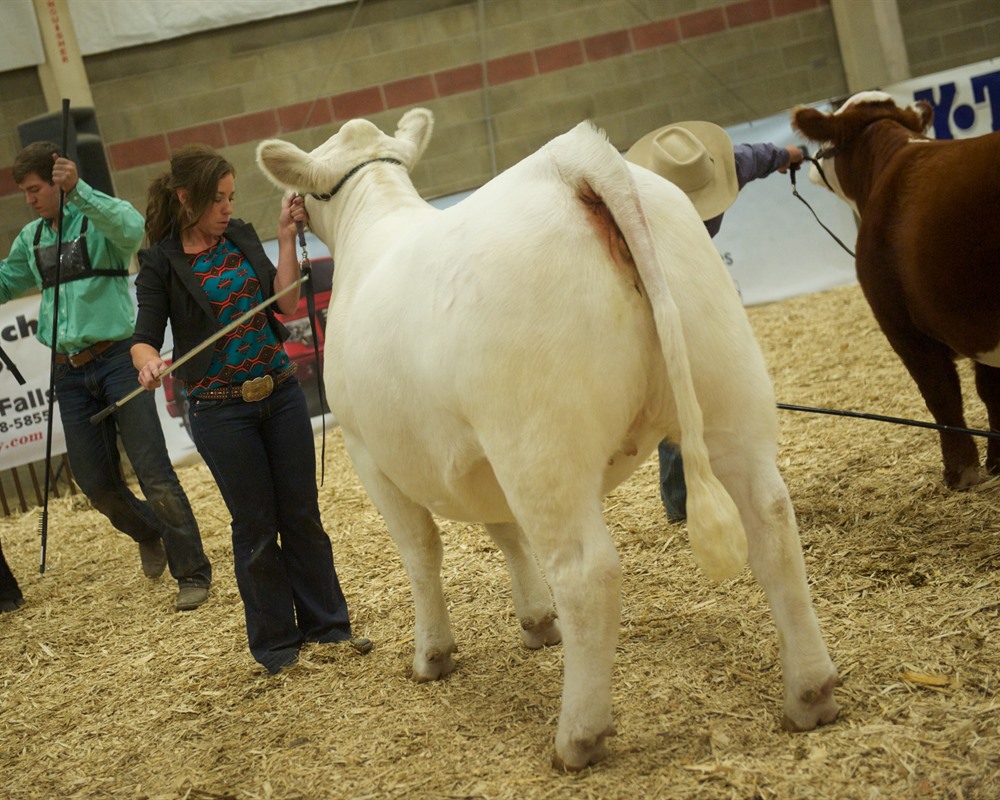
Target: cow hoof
965,478
815,708
434,666
536,635
580,754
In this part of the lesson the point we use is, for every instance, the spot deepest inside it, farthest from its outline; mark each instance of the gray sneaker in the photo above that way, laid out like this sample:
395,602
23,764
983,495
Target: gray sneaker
153,557
190,597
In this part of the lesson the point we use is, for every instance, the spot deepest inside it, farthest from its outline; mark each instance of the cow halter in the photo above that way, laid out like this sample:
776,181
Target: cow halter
827,152
350,173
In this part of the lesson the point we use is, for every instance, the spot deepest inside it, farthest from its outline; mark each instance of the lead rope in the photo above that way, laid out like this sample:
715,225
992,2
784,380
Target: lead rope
305,268
792,169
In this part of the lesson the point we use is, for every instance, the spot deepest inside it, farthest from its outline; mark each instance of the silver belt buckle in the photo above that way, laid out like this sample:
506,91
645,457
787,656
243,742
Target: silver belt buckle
257,389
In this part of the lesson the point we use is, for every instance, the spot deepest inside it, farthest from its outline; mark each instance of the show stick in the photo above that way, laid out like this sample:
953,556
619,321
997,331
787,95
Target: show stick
246,316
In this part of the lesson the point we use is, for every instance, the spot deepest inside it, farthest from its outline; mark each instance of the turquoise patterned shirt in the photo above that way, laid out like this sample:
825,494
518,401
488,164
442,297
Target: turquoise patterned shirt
252,349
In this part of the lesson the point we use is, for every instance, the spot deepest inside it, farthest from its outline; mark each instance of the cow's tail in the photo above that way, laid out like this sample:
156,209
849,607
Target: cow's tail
718,540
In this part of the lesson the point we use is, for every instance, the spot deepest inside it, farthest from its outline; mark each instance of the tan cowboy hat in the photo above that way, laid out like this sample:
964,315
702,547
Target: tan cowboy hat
697,157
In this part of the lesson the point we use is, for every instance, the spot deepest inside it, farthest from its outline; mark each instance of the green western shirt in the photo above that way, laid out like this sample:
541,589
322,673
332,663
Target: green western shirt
91,309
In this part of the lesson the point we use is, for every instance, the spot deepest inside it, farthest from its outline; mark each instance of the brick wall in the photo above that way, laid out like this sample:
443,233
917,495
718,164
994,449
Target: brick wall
502,78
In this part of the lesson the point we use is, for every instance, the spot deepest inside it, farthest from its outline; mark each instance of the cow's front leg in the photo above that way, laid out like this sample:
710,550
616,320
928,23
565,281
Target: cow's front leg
419,542
532,598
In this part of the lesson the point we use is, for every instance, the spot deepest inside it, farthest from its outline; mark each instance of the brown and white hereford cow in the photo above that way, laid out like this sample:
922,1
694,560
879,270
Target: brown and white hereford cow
928,251
512,358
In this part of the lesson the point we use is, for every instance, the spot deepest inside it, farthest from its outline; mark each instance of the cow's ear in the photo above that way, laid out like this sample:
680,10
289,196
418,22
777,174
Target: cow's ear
284,164
813,124
415,128
926,112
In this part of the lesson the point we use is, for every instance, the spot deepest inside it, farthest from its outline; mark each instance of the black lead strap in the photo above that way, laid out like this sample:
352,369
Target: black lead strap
895,420
305,267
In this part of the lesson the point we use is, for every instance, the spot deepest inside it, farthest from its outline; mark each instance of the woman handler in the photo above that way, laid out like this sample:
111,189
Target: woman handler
248,413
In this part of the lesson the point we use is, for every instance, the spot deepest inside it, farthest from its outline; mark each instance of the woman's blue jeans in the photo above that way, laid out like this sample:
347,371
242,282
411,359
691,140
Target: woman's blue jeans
93,454
262,455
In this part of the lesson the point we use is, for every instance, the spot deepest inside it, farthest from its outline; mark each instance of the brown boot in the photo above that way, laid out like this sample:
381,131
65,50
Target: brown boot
153,557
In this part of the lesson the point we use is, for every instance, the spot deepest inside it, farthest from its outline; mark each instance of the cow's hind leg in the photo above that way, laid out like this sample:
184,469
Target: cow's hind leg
532,598
932,366
775,555
988,387
579,559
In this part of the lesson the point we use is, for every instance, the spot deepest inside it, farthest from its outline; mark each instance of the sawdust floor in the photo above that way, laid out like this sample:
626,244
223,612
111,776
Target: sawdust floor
107,693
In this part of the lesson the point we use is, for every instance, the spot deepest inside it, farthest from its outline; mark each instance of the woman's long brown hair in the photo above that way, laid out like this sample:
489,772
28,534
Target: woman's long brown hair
196,168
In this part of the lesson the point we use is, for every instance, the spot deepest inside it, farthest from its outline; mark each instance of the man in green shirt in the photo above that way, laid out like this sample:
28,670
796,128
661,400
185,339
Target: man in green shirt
93,365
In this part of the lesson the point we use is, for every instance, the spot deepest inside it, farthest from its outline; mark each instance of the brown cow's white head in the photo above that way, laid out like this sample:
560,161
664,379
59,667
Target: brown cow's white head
319,174
837,131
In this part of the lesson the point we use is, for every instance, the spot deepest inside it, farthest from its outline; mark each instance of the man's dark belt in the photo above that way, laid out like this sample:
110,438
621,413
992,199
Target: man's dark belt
251,391
84,356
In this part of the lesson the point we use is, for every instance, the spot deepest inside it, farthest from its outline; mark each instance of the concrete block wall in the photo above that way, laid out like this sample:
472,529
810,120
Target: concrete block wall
21,98
502,77
942,34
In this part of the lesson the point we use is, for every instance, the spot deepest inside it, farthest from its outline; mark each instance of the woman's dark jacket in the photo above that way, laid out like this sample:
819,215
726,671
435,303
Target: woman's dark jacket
167,289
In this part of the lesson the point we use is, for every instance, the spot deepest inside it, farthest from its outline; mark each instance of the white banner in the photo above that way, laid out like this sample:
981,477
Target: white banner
966,100
24,409
22,43
105,25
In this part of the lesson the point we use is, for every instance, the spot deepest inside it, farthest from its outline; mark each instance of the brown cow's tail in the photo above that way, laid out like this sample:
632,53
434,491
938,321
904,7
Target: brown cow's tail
718,540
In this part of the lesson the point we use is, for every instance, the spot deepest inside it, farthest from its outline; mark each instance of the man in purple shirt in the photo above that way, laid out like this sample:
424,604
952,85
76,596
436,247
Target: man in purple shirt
701,159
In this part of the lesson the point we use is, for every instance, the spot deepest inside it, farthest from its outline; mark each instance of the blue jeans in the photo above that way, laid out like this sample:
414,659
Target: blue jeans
96,463
673,490
262,456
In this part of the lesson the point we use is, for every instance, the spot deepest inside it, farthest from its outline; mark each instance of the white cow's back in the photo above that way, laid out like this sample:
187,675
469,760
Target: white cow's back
514,335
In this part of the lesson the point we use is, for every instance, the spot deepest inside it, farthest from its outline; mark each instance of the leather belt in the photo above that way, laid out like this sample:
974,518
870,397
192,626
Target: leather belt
84,356
252,391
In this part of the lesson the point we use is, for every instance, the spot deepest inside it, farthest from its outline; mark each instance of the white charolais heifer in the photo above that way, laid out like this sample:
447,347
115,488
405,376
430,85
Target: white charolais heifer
513,358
